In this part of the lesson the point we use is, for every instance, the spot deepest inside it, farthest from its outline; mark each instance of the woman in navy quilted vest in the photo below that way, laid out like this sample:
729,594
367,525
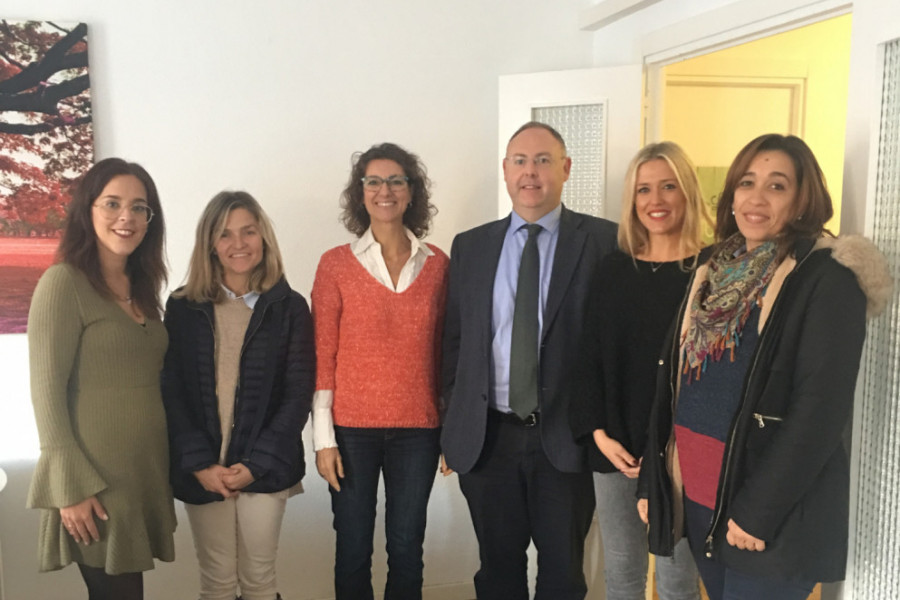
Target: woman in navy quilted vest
237,384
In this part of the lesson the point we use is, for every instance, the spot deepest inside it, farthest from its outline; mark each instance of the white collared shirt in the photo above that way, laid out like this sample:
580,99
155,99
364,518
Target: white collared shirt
368,252
249,298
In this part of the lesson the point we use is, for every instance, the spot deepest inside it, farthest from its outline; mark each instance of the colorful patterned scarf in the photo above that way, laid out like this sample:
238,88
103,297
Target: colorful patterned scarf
734,284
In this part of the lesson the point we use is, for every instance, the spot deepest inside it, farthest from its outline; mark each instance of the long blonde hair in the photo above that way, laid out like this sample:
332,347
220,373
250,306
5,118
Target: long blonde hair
633,236
205,273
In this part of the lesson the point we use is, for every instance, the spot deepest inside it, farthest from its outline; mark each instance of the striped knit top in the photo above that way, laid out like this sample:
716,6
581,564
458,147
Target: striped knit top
379,350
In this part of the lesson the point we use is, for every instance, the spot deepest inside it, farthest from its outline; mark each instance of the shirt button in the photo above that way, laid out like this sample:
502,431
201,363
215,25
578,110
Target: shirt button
661,362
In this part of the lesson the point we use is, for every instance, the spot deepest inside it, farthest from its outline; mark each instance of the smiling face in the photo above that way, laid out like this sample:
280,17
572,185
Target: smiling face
239,249
535,169
764,197
120,232
386,205
659,201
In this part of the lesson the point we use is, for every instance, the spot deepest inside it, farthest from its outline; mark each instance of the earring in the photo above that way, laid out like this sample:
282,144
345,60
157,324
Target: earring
732,212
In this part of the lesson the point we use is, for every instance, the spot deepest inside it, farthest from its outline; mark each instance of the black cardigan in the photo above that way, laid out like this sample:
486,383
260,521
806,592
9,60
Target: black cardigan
785,481
272,401
629,311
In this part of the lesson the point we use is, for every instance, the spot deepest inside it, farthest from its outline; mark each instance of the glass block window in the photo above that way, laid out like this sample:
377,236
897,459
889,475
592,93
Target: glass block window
583,126
876,566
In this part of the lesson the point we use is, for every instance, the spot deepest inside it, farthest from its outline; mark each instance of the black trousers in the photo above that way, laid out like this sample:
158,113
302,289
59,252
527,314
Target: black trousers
516,496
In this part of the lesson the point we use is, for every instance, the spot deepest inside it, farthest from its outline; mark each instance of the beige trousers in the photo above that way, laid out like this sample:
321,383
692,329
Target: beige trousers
236,542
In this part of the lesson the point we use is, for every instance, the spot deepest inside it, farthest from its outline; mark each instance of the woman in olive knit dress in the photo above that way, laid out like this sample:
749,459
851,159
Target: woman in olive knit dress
96,345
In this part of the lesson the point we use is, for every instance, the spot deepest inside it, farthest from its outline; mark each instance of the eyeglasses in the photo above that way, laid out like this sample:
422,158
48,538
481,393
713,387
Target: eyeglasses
395,183
111,209
540,161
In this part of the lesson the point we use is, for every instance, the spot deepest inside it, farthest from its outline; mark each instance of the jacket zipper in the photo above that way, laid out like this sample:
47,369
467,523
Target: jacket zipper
717,515
761,419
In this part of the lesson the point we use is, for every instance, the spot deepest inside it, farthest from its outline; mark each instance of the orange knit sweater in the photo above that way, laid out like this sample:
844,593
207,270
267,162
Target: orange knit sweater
379,351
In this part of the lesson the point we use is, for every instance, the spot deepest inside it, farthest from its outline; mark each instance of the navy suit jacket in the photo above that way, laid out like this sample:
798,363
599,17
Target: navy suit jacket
583,242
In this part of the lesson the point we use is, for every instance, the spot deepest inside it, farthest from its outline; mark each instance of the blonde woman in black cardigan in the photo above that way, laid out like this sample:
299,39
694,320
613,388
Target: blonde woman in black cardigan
634,297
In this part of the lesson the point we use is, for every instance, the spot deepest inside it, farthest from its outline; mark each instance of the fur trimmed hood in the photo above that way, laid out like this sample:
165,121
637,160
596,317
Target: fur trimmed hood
870,266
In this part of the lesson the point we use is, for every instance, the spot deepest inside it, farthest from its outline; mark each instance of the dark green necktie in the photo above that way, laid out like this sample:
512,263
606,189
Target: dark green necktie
523,356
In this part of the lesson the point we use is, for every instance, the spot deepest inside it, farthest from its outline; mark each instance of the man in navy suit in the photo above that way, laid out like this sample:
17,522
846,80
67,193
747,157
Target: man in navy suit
523,475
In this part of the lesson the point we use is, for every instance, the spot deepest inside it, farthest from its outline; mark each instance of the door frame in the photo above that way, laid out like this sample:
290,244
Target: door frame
717,29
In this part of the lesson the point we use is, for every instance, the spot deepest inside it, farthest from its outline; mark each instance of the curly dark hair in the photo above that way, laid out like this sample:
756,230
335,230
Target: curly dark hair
146,266
417,217
812,207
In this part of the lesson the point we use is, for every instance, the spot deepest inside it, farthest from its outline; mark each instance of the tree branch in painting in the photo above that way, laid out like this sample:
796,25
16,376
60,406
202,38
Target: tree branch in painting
46,142
46,137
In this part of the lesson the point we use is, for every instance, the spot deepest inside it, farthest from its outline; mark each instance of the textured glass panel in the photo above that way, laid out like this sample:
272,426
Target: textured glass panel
876,568
583,126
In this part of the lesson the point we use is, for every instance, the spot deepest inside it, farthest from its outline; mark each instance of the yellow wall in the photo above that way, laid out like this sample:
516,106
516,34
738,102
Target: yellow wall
816,57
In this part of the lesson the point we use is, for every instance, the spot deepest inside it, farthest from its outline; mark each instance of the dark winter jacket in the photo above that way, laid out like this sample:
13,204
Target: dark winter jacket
785,476
272,399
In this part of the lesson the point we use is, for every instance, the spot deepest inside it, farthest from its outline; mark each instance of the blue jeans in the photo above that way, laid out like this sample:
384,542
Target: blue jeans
408,458
625,550
723,583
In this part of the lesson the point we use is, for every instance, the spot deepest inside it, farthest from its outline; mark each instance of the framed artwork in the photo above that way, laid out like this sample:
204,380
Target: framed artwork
46,143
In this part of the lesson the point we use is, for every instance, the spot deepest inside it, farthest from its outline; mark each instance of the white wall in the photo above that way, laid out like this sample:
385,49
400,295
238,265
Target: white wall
273,97
619,43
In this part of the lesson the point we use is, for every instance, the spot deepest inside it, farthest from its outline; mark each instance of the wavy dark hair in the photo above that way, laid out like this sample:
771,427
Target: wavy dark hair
812,207
146,266
417,217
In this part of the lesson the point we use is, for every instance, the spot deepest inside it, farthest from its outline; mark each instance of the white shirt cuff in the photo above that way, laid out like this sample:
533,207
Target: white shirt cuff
322,420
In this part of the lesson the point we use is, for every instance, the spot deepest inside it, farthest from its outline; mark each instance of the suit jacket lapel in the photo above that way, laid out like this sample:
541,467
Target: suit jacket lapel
569,247
486,270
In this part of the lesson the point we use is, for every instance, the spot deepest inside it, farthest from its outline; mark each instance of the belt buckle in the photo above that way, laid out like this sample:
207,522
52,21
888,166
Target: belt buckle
531,420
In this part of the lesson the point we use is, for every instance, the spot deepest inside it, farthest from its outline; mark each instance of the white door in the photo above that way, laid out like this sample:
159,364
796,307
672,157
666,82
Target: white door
598,113
872,187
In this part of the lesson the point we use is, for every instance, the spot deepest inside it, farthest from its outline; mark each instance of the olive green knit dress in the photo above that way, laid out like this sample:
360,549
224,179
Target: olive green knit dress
102,426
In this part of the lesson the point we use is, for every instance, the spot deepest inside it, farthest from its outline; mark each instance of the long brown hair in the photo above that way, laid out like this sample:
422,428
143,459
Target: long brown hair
811,208
146,267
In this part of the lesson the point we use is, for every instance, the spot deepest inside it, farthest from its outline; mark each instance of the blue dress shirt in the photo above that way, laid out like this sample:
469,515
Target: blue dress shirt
504,298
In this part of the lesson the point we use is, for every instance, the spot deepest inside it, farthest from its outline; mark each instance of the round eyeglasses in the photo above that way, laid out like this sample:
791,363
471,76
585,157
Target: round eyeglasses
111,209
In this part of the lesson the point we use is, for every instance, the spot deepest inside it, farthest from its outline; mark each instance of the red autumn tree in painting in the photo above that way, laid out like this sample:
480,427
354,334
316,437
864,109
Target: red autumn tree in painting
46,142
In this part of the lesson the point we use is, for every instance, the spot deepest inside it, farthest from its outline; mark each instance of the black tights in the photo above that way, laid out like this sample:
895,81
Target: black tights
103,586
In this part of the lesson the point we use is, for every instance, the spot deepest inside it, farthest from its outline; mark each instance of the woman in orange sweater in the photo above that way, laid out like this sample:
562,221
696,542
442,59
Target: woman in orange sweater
378,309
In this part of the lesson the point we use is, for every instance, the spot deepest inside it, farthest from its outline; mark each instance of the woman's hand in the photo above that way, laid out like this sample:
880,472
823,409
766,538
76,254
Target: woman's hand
328,462
238,477
742,540
643,508
78,520
617,454
445,470
211,478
